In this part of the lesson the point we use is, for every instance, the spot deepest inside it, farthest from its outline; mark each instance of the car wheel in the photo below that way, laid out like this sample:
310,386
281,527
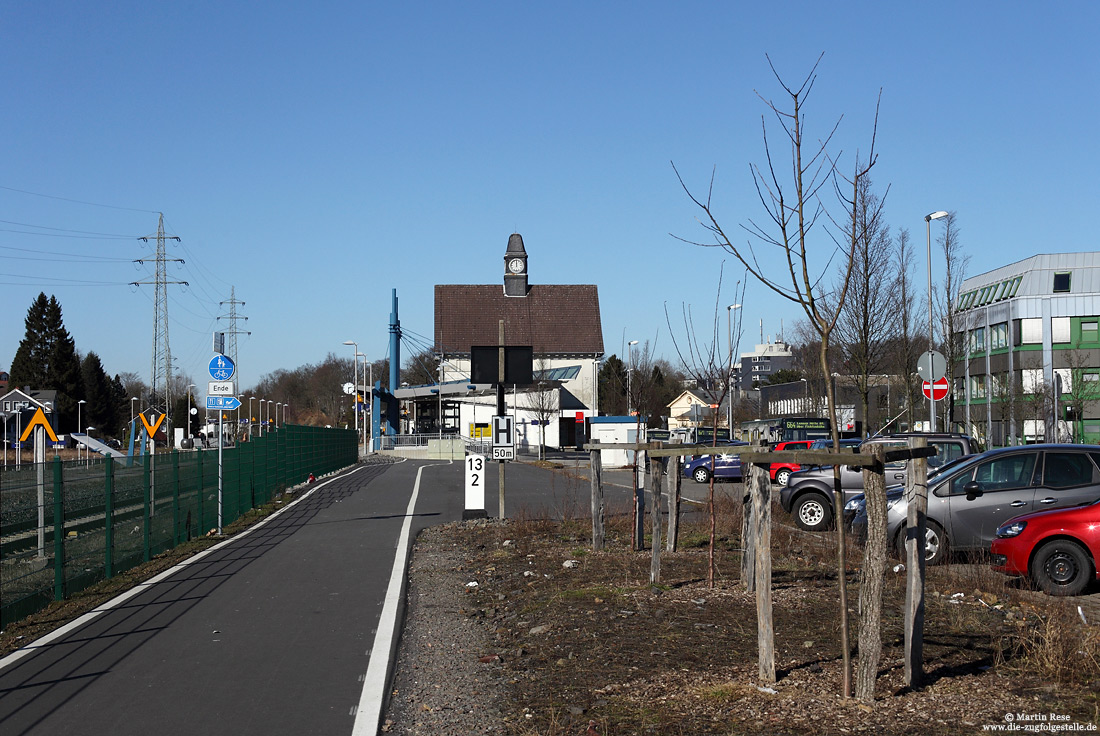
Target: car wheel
700,475
1061,567
935,544
782,476
813,513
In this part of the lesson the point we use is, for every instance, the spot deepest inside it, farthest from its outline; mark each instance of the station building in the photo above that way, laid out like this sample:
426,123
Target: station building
560,322
1031,347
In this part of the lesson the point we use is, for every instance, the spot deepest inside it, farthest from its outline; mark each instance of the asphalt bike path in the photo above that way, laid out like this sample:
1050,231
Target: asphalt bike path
271,632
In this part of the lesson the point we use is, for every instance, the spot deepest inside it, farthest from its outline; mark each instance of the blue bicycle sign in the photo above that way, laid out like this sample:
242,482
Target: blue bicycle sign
221,368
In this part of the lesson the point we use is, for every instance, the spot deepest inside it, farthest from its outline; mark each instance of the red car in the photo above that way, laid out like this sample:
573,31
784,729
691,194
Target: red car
1057,549
781,472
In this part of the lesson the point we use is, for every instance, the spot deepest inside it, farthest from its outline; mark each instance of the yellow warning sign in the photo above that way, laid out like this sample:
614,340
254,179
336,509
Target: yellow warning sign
151,429
39,418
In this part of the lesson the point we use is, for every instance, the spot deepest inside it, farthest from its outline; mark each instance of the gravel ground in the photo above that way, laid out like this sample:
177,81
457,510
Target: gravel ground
440,686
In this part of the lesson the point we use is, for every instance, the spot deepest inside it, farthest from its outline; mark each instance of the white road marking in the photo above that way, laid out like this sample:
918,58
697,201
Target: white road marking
368,718
120,599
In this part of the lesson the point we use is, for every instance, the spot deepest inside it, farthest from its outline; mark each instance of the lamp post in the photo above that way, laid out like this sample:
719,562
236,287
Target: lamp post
87,451
370,387
277,415
78,405
928,227
269,403
250,416
630,377
729,372
189,387
355,393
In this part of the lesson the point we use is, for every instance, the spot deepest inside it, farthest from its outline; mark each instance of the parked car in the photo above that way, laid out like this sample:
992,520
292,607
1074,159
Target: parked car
858,505
727,466
968,503
1056,549
808,495
781,472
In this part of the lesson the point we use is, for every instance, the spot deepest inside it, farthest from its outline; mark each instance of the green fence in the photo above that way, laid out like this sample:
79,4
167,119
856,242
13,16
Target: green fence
65,525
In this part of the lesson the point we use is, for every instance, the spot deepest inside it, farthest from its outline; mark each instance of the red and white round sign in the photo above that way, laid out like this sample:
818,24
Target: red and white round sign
935,390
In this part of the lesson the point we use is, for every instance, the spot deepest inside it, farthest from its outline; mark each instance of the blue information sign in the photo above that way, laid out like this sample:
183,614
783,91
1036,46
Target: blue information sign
221,368
223,402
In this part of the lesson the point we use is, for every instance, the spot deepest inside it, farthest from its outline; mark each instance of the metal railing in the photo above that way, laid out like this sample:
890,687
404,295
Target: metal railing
67,525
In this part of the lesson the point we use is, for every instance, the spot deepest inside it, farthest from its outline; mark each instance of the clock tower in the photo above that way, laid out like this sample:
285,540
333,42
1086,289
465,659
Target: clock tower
515,267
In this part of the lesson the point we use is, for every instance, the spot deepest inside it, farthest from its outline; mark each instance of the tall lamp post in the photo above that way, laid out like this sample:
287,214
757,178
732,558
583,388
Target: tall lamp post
79,404
189,387
277,415
269,403
729,372
368,427
630,377
250,416
928,227
355,393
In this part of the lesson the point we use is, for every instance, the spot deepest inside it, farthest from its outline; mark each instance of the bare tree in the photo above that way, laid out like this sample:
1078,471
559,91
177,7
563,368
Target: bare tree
708,365
870,315
953,324
544,403
907,350
794,208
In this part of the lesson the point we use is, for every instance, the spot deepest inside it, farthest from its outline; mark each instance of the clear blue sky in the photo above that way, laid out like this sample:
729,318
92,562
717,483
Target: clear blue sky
317,155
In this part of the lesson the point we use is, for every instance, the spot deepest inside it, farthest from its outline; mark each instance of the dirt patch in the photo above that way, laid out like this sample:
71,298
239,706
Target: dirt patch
565,639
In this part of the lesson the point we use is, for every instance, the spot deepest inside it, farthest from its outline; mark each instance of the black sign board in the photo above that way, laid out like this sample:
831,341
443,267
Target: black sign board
518,365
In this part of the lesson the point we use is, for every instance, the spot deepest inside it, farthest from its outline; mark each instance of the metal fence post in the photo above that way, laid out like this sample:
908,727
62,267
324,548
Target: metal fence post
58,533
175,483
147,520
200,491
108,517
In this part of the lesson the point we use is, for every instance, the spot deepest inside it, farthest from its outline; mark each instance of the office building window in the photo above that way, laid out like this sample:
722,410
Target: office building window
977,340
1031,331
998,336
1059,329
1061,282
977,387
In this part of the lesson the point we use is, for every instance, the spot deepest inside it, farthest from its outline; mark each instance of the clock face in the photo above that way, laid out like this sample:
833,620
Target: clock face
515,265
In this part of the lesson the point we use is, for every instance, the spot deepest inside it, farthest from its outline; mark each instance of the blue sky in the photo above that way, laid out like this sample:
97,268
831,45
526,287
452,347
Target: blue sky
316,156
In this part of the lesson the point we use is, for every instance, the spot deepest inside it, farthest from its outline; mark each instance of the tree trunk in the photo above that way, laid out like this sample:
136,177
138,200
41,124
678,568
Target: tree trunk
673,479
748,531
838,517
916,493
597,501
656,480
759,488
871,585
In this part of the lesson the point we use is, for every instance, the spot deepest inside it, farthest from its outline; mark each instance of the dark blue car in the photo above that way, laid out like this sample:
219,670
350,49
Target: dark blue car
727,466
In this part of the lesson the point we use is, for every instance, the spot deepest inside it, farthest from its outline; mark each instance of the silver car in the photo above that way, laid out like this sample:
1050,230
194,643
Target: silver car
967,503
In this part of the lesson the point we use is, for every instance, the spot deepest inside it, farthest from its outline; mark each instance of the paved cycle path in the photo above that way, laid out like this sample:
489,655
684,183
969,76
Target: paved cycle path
269,633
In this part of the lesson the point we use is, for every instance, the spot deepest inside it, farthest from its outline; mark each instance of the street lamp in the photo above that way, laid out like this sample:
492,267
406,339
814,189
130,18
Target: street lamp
729,373
78,405
630,376
189,387
928,227
355,393
250,416
133,415
269,403
368,425
277,415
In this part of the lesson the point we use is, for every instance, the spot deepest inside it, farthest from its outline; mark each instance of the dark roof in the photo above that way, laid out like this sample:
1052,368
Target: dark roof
554,319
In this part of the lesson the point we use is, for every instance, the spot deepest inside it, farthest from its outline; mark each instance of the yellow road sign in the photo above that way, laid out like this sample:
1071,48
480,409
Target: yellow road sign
151,430
39,419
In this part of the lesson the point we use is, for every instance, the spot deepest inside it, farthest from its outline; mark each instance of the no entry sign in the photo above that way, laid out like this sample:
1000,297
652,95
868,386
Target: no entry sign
935,390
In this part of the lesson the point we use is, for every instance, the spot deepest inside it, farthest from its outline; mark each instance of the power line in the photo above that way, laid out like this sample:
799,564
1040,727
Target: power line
78,201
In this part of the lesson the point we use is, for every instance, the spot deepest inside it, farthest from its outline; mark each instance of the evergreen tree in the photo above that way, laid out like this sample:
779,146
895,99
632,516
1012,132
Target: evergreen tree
31,361
613,380
46,360
102,408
